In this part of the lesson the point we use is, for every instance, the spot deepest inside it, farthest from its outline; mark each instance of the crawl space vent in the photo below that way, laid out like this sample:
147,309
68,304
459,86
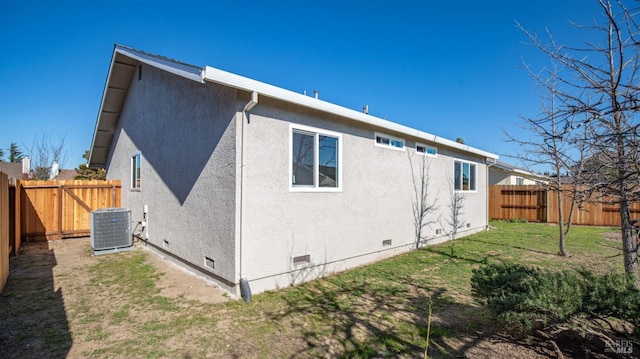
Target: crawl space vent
111,231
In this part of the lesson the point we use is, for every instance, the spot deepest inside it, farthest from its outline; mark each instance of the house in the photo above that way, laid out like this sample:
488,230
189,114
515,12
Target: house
239,179
15,170
22,170
501,173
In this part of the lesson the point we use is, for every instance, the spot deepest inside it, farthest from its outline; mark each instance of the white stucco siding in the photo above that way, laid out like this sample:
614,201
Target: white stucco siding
498,177
185,134
338,230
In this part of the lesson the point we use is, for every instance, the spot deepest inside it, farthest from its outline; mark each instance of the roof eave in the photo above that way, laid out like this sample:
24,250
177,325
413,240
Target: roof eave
104,137
246,84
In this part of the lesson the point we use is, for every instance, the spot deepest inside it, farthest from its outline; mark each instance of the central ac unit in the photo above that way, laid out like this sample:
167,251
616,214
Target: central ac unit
111,230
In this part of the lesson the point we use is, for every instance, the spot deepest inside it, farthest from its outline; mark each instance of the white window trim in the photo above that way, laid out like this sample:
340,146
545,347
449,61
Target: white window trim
133,172
316,131
376,134
476,177
426,147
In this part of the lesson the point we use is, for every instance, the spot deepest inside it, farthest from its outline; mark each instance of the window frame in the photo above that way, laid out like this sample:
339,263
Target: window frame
389,138
427,148
473,176
136,168
317,132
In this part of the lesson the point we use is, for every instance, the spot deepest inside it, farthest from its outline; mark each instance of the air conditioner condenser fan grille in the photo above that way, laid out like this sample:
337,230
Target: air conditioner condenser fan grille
111,230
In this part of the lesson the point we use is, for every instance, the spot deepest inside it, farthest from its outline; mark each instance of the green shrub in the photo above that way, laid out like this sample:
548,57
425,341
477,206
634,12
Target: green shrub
517,220
526,298
611,295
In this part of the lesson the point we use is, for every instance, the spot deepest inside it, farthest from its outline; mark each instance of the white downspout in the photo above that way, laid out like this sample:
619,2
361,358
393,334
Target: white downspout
487,192
247,108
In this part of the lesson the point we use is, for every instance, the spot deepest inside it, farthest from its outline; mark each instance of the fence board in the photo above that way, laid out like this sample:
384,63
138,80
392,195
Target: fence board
528,202
14,217
61,209
4,229
538,204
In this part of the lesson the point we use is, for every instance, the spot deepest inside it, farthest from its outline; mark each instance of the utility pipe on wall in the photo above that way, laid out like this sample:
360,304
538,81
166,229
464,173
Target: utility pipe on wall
250,104
244,283
486,161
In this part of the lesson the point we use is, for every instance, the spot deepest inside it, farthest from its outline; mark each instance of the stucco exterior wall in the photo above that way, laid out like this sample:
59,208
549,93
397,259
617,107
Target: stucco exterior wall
338,230
497,177
185,132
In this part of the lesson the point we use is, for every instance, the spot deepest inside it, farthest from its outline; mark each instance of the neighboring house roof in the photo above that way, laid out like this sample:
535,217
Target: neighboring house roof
12,169
66,175
125,60
505,167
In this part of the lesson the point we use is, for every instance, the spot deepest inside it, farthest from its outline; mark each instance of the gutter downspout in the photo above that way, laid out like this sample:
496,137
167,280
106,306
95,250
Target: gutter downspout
495,161
245,290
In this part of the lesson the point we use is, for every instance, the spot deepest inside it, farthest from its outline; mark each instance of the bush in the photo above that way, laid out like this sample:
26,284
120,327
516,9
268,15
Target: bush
518,220
526,298
611,295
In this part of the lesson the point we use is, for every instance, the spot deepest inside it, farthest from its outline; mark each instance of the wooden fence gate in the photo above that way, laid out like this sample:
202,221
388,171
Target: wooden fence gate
61,209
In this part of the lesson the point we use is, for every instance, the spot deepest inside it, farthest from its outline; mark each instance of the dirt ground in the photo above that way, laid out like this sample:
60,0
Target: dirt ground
47,269
174,282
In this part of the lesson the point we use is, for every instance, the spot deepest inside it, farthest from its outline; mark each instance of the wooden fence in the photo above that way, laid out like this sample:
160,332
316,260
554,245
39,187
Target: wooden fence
43,210
61,209
539,204
4,229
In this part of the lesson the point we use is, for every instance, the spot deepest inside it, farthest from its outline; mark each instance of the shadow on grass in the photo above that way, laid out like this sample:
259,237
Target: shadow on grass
33,321
362,317
502,244
449,251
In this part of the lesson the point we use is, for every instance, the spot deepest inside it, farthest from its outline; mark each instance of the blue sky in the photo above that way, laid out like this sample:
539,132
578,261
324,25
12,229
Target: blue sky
449,68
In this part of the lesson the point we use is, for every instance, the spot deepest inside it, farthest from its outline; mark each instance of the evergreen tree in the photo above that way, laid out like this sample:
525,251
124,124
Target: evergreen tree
88,173
15,154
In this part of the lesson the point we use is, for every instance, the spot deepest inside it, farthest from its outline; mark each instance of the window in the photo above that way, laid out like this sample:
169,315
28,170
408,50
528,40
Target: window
519,181
464,176
426,150
383,140
315,159
135,171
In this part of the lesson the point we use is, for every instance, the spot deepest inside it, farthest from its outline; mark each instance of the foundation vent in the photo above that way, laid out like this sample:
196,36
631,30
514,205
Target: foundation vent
302,259
209,263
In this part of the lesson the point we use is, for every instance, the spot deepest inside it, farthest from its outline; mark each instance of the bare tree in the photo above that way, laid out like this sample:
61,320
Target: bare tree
422,203
555,144
599,85
43,152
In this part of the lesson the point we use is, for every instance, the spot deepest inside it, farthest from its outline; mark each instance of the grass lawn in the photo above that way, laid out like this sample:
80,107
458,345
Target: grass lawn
378,310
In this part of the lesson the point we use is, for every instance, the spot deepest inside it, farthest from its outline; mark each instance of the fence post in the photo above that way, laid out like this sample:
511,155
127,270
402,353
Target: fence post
4,229
17,240
60,210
